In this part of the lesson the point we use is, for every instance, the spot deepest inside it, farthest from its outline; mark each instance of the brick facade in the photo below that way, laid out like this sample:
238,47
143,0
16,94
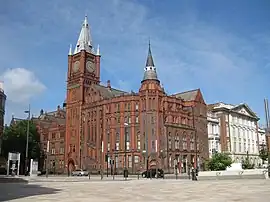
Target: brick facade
98,116
52,128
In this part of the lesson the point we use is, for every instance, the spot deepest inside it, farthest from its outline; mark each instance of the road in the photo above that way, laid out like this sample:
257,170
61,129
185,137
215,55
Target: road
137,190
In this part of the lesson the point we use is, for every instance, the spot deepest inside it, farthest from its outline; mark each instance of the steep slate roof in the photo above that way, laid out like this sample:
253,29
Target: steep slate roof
188,95
109,92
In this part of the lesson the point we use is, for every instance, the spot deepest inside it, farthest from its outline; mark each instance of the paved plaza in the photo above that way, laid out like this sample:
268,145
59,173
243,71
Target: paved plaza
136,190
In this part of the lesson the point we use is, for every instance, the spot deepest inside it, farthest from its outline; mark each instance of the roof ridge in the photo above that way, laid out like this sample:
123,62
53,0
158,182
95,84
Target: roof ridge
187,91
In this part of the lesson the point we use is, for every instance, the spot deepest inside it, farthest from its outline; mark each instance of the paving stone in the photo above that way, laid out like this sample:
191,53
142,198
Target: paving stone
141,190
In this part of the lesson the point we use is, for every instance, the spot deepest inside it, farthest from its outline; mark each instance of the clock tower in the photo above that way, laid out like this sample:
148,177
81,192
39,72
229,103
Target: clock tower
83,71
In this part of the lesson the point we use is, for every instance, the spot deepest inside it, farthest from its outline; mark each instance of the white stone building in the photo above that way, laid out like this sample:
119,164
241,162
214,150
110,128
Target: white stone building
213,133
234,129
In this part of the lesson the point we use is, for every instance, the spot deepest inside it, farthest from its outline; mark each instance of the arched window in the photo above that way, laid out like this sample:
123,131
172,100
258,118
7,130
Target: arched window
138,140
117,141
117,137
176,141
170,141
184,141
192,142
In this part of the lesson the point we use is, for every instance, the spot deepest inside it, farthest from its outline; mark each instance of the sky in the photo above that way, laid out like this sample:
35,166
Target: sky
221,47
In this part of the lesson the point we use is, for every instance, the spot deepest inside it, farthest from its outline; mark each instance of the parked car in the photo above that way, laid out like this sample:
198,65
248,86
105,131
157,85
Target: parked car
80,172
152,173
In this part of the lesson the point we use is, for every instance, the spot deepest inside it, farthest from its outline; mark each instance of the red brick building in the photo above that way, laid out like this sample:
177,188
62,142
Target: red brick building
52,128
3,98
156,125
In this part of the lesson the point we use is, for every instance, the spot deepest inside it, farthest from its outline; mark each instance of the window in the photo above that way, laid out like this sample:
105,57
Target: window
138,141
176,141
118,119
136,159
138,145
136,106
127,145
116,162
130,161
153,142
108,147
192,143
152,119
53,150
62,134
62,150
169,141
117,146
129,120
240,146
117,106
117,137
184,142
137,119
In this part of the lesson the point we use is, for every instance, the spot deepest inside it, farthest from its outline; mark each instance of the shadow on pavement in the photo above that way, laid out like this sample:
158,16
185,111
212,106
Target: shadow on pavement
11,191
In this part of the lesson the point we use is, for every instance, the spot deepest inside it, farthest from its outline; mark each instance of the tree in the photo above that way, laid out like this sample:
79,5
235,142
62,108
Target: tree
263,153
219,161
14,140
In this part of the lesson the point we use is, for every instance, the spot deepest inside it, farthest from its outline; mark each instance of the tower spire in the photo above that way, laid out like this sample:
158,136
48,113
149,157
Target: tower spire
70,50
150,69
149,61
84,40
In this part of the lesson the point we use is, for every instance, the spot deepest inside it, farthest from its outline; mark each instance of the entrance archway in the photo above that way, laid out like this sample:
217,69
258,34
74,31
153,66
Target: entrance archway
71,166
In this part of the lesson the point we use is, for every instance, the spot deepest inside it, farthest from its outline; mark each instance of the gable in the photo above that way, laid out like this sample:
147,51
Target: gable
199,97
245,110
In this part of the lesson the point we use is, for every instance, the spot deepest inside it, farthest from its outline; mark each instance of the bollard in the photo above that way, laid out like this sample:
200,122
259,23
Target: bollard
193,173
126,174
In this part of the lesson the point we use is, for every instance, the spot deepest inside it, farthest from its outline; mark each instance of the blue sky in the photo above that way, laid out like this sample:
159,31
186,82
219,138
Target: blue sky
222,47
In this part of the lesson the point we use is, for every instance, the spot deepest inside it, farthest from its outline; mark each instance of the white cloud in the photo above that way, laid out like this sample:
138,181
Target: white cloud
21,85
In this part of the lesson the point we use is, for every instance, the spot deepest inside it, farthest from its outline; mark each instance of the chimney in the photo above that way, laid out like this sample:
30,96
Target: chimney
109,84
58,108
41,112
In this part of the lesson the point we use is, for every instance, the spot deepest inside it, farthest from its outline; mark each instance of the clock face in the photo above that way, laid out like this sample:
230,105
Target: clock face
90,66
76,66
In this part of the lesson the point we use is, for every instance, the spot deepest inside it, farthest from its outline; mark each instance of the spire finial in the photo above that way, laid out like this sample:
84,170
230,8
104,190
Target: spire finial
98,51
70,49
150,70
84,41
149,61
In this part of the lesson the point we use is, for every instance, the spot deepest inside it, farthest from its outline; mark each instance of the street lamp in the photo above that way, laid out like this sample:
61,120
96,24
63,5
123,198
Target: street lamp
27,139
267,133
125,169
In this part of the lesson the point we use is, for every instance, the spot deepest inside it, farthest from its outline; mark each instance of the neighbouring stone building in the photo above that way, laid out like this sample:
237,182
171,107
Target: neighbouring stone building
135,129
234,129
3,98
52,128
213,133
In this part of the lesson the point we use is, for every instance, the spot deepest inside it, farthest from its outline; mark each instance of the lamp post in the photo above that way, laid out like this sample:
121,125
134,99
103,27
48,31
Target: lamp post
101,160
267,134
27,139
125,169
47,158
195,131
144,152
